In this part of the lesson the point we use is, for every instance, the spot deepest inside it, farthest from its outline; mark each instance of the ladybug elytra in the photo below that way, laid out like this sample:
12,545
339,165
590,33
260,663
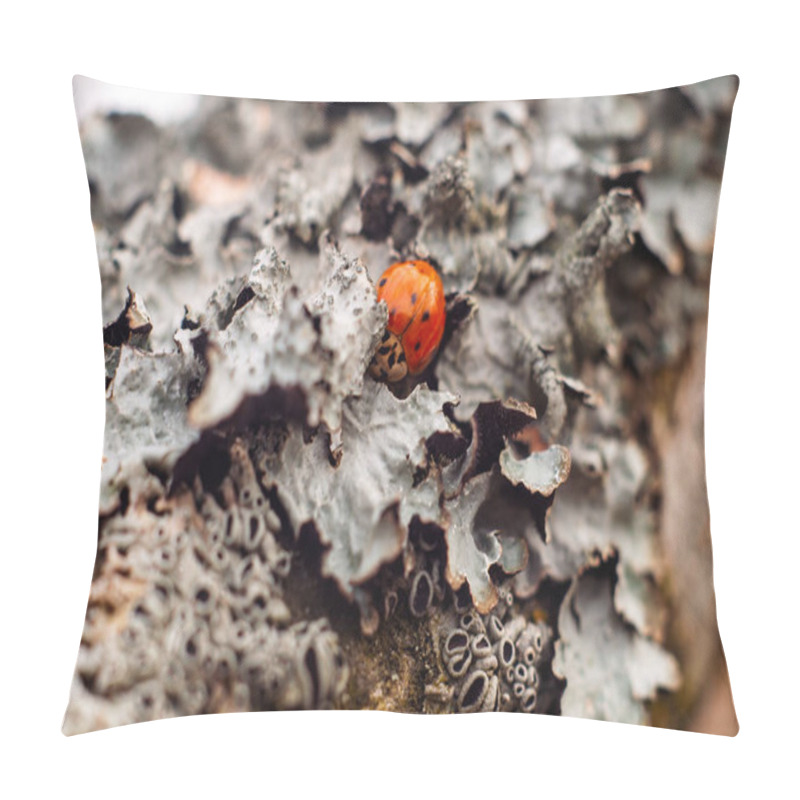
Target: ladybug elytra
414,294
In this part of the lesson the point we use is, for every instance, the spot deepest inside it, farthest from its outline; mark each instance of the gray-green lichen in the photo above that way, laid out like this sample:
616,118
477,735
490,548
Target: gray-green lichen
631,670
361,506
270,336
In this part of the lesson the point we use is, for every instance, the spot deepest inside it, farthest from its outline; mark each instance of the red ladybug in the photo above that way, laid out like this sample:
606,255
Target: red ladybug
414,294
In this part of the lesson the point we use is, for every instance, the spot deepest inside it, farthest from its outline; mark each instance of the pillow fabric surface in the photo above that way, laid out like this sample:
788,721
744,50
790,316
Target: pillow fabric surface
474,482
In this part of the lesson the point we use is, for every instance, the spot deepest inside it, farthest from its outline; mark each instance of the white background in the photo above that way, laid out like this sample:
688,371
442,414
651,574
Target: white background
51,386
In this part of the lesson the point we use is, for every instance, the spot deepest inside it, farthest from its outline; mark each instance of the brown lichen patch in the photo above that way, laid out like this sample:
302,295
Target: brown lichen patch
394,666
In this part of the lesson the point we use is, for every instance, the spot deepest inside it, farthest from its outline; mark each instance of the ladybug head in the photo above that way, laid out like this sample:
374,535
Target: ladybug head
389,362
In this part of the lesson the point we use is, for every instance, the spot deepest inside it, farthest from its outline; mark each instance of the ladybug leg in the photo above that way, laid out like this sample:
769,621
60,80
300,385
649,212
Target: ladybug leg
389,362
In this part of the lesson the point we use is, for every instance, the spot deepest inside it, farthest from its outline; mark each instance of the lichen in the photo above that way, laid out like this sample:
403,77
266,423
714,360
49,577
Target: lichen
187,616
361,506
495,662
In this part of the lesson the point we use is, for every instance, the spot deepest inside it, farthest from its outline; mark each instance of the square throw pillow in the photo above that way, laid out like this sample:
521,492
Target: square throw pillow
404,407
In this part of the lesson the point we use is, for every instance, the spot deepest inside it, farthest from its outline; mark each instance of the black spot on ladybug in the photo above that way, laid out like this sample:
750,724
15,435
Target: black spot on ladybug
392,312
425,316
384,350
383,282
384,373
418,345
385,336
391,360
413,298
402,358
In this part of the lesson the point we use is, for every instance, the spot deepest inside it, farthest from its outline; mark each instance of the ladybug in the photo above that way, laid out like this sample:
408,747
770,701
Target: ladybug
414,293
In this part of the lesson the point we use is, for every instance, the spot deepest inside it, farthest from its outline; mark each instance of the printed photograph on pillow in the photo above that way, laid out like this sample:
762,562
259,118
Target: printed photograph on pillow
404,407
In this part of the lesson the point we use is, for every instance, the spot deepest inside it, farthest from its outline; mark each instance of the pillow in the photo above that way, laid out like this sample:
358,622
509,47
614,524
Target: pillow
404,407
